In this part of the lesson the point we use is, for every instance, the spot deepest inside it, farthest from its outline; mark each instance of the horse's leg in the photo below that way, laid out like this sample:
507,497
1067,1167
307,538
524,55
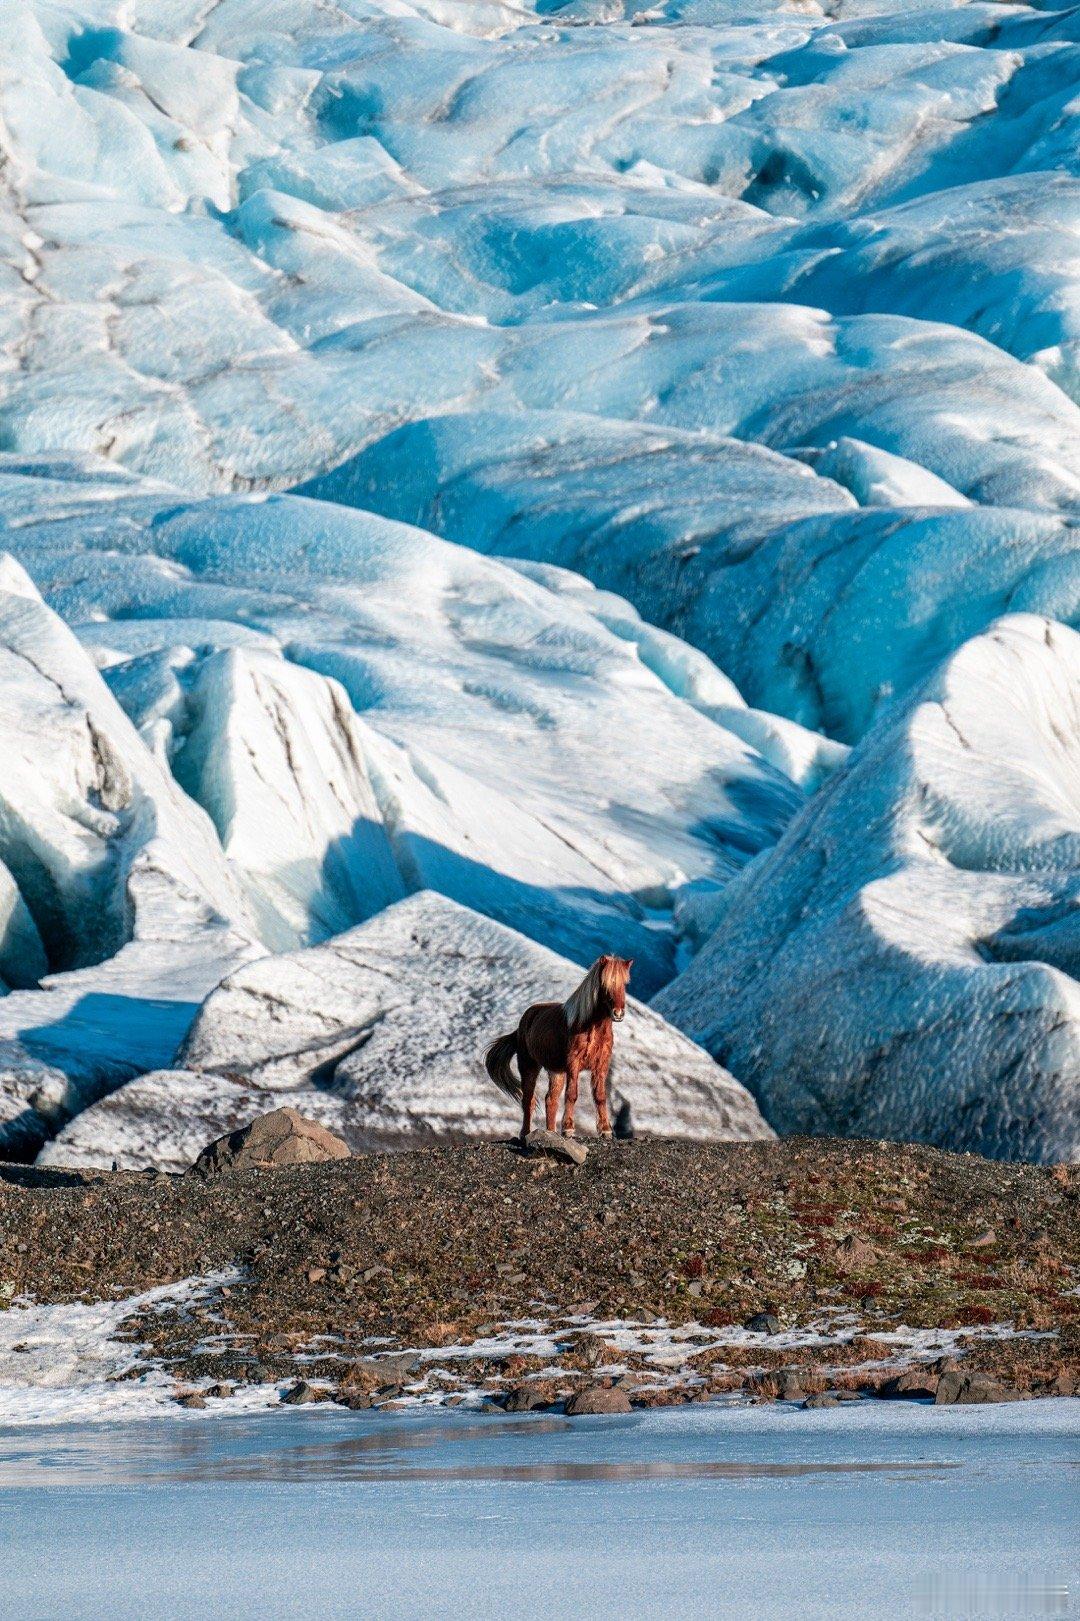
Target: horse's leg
529,1070
573,1070
599,1092
554,1093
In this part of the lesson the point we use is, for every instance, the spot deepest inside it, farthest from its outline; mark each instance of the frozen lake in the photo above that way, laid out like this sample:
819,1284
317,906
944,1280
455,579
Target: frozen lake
879,1510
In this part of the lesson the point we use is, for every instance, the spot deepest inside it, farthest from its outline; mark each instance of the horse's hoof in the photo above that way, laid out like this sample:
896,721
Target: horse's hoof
607,1135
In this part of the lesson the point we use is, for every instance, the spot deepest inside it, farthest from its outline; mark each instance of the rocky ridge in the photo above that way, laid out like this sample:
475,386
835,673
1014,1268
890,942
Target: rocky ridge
792,1269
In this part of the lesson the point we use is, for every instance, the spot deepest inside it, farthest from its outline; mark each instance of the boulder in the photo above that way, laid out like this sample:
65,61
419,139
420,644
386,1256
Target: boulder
763,1322
970,1389
523,1399
555,1146
282,1137
594,1351
598,1399
911,1385
376,1371
783,1384
301,1394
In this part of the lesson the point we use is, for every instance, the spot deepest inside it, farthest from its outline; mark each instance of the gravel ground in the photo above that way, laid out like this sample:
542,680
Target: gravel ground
440,1246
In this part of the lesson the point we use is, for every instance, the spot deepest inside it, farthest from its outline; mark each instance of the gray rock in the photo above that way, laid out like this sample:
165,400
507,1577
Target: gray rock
522,1399
763,1322
555,1146
598,1399
282,1137
191,1399
594,1350
300,1394
912,1384
388,1370
971,1389
828,1398
356,1400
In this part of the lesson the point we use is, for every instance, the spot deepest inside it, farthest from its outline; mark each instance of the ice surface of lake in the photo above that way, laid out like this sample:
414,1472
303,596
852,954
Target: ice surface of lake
879,1510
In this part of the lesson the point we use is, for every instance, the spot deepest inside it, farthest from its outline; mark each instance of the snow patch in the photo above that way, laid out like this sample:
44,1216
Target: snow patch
63,1363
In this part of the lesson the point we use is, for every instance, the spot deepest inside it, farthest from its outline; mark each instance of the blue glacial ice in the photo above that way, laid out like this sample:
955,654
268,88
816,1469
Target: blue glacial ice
515,452
934,880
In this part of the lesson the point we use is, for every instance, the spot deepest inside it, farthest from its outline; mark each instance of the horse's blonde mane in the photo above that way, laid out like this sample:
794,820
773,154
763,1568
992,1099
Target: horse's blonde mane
606,974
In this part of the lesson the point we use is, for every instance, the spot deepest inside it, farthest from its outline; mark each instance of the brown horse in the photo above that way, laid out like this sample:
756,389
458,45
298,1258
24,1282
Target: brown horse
564,1038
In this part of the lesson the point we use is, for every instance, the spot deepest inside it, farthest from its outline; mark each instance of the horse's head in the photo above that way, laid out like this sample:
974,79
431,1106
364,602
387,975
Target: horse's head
614,973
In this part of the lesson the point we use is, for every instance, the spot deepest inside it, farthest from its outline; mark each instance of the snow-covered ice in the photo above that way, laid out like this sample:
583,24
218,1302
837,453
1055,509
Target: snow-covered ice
240,243
345,710
71,1362
823,580
379,1034
102,844
123,890
870,1509
497,716
904,963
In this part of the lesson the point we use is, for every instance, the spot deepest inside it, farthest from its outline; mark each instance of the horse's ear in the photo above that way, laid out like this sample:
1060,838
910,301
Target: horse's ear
628,963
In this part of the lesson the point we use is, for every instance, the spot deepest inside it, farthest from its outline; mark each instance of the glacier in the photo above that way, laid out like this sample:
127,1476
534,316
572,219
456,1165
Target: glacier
288,757
936,881
516,452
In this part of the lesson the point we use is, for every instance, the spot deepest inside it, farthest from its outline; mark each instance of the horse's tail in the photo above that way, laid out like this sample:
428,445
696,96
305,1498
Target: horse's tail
497,1061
